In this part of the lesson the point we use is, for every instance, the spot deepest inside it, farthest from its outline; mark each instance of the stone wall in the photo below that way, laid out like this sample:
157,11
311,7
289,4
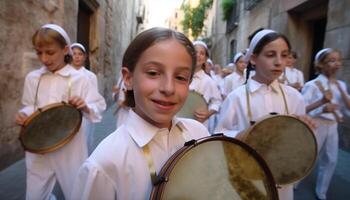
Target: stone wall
293,18
112,28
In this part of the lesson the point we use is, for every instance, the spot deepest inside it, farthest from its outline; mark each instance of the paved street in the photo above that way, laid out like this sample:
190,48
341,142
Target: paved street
12,179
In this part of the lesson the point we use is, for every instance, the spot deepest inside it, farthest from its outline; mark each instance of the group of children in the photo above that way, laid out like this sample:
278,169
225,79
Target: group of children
159,68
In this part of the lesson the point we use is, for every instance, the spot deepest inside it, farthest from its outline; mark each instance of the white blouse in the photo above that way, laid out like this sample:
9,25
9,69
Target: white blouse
264,99
118,168
312,93
292,75
203,84
233,81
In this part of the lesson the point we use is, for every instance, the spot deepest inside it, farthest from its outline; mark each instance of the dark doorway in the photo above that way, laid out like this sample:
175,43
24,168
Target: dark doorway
83,33
319,29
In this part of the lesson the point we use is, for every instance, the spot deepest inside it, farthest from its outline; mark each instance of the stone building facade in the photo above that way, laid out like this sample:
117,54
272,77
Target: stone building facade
105,27
310,26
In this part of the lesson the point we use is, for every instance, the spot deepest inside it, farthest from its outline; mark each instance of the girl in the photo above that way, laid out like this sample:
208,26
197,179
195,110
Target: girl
48,85
204,85
268,52
78,62
325,96
157,70
237,78
291,75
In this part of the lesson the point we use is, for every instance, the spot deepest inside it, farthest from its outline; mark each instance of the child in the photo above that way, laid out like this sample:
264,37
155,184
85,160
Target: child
78,62
157,70
204,85
325,96
119,97
268,52
51,43
237,78
292,76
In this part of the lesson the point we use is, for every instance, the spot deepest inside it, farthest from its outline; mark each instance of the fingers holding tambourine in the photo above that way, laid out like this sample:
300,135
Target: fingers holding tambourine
20,118
79,103
308,120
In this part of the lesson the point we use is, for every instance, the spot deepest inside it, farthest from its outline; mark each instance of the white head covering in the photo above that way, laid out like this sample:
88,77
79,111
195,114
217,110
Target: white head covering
320,53
61,31
210,61
256,39
79,46
237,56
198,42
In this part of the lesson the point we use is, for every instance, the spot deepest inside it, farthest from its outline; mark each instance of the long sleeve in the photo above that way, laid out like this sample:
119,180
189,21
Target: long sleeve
94,101
92,183
311,94
228,121
28,97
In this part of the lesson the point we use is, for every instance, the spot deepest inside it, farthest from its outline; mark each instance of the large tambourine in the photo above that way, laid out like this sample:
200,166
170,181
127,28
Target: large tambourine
50,128
194,101
215,168
286,143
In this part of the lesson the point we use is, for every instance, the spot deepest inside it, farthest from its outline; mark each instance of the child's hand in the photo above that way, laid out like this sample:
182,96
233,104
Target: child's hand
79,103
330,107
20,118
308,120
327,96
201,115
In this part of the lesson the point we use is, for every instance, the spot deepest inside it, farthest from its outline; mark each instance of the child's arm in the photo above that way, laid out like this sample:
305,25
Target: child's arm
327,97
344,94
94,104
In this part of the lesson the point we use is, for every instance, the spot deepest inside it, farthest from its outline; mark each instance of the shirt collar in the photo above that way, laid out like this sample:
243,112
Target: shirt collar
67,70
322,78
254,85
142,132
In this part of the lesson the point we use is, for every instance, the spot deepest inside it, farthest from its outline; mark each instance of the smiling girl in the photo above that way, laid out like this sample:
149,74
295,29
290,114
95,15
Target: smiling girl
157,69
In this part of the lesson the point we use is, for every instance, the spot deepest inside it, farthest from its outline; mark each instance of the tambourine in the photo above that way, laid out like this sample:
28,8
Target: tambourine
286,143
50,128
194,101
215,167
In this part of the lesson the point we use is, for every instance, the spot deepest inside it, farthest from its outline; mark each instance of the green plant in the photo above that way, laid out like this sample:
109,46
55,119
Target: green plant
194,17
227,7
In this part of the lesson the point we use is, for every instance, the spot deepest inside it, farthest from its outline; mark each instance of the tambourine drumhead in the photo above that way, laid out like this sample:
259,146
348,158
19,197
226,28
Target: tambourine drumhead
286,143
193,102
215,167
50,128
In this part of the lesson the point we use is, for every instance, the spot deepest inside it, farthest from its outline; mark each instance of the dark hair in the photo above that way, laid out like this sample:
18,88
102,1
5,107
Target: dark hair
45,36
260,45
294,54
144,41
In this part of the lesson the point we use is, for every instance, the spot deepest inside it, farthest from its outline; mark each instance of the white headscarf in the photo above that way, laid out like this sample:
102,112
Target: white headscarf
61,31
321,53
79,46
256,39
237,56
198,42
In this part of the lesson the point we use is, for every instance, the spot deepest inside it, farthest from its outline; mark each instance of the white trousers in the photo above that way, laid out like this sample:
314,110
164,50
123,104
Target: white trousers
286,192
62,165
327,141
88,128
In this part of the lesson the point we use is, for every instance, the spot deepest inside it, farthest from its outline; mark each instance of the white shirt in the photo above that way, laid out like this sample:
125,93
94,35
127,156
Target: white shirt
233,81
53,88
312,93
90,75
264,99
292,75
204,85
118,169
